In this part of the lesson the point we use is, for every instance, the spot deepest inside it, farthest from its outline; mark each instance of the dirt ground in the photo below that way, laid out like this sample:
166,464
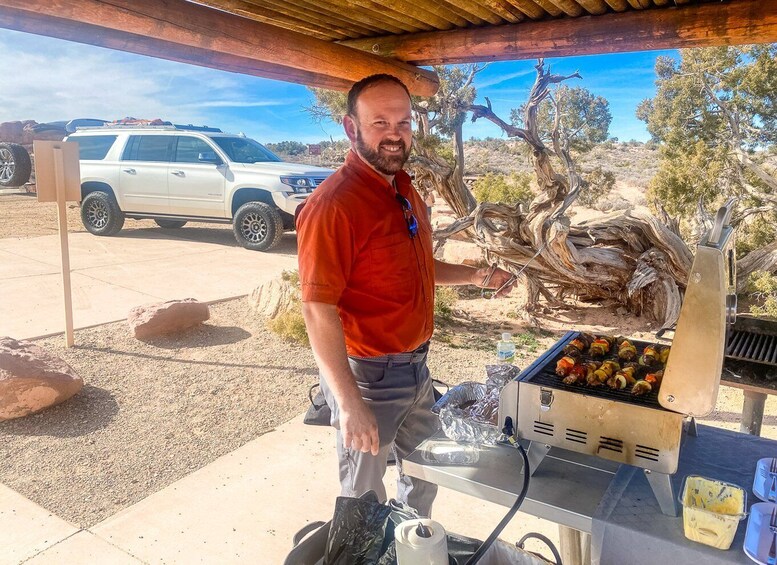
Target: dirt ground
151,413
22,216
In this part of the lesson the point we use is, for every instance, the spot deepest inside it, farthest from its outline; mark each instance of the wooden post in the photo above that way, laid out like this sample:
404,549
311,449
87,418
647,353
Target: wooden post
59,179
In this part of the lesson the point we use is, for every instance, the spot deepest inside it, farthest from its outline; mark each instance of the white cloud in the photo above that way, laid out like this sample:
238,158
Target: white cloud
497,80
59,80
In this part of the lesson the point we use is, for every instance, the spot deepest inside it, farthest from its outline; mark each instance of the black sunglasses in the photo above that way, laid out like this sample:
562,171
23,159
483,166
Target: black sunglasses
407,208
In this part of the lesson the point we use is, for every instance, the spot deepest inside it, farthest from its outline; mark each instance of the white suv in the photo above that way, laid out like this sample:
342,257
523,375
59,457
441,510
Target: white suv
175,174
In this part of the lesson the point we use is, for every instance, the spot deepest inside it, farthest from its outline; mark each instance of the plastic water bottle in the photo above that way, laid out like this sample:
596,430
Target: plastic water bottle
505,348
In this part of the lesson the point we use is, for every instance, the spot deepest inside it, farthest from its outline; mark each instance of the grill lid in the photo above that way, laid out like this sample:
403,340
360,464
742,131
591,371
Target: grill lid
692,375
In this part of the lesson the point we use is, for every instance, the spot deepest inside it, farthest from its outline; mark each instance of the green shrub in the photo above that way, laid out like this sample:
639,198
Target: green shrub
597,184
507,189
755,234
291,277
290,325
445,298
762,289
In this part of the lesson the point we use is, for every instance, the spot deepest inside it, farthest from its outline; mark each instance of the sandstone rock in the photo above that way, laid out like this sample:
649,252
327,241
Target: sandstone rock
166,317
11,132
274,297
32,379
463,253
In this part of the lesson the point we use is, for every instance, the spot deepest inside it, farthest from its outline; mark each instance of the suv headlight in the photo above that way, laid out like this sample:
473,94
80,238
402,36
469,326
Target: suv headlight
299,184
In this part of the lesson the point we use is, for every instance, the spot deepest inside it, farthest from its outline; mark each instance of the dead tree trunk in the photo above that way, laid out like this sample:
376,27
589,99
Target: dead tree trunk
636,260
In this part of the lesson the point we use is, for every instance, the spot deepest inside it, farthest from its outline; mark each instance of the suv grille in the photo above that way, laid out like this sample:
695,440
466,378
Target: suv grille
318,180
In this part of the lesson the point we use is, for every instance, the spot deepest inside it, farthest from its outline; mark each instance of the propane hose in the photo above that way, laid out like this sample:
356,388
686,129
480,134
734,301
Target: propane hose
510,440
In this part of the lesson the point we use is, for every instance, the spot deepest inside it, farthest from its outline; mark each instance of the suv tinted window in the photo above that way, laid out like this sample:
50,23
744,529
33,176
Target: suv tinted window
188,150
94,147
245,150
148,148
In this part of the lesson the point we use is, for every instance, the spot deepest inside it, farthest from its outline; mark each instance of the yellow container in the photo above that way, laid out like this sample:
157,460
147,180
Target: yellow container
712,510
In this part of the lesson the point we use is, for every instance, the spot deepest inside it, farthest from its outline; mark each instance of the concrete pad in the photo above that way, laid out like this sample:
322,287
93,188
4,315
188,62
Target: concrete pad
83,548
207,275
26,528
246,506
111,275
13,266
34,305
87,250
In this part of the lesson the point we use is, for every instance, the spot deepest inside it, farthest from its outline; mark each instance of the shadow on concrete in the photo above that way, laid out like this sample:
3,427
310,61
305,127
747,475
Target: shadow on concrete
90,410
216,234
202,336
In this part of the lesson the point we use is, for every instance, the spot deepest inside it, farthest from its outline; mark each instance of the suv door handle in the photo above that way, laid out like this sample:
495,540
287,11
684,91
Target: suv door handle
130,171
177,173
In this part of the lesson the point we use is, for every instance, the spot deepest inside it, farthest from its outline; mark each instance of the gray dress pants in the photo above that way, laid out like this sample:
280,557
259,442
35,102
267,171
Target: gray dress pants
399,392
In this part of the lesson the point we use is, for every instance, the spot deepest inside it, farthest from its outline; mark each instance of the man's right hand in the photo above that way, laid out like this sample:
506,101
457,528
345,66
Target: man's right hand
359,427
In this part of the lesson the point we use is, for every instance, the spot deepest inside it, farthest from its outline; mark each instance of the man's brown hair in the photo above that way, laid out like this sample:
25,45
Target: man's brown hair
367,82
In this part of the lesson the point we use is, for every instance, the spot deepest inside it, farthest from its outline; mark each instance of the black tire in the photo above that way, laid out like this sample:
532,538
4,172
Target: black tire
257,226
15,165
100,214
170,224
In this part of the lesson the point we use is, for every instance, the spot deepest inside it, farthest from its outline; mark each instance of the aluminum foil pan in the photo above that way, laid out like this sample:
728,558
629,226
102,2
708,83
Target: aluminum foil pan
463,411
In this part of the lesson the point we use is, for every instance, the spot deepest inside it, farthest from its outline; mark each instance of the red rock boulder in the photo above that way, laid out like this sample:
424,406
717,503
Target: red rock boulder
32,379
166,317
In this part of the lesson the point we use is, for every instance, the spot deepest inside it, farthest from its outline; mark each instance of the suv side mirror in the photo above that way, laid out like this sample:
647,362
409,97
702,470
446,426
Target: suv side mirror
209,157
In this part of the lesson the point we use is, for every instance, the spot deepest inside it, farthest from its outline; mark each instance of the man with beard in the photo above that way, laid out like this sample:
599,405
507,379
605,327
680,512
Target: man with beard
367,278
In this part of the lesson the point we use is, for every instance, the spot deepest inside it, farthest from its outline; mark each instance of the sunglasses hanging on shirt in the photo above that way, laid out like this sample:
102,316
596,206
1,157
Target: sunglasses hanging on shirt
407,209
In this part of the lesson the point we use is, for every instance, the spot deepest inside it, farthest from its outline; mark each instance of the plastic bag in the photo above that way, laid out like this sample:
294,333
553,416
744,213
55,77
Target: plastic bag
358,531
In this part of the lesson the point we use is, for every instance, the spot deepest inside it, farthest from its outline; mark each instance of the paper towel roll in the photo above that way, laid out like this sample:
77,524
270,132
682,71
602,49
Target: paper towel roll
413,548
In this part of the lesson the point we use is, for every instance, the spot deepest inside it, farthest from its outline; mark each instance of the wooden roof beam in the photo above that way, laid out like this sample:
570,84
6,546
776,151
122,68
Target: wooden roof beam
737,22
190,33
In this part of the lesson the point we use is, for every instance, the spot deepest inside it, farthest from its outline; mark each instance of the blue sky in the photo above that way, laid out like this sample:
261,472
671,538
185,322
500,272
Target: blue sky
57,80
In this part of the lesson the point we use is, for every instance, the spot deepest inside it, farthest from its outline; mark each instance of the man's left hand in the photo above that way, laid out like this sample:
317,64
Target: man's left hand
498,279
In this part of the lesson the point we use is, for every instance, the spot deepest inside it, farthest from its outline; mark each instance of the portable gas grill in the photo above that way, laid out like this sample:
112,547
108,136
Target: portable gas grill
644,431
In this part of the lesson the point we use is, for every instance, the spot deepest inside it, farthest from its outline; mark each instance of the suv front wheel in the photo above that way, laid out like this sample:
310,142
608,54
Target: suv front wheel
257,226
101,214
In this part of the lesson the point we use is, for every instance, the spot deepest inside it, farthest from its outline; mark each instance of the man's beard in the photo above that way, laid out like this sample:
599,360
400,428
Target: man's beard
388,165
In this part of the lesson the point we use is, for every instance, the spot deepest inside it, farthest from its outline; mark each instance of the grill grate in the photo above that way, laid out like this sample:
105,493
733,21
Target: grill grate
751,346
544,374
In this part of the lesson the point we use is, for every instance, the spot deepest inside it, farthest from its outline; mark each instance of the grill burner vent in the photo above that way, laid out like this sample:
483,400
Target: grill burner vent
610,444
577,436
751,346
645,452
543,428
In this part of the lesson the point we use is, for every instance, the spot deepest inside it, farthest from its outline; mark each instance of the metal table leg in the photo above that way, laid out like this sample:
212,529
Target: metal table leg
752,412
574,546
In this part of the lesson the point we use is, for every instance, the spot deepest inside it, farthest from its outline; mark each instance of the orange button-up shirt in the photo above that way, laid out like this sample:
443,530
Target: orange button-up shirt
355,251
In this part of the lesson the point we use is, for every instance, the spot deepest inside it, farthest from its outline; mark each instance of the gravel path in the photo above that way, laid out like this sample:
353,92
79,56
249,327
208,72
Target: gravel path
151,413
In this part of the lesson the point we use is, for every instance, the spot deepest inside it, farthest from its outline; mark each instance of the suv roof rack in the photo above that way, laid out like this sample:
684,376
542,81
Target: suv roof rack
179,127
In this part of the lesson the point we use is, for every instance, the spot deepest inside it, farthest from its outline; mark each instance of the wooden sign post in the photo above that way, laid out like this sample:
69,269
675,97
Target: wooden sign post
58,178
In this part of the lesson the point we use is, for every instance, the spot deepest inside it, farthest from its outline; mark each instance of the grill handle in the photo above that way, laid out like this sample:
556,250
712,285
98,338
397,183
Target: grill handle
722,219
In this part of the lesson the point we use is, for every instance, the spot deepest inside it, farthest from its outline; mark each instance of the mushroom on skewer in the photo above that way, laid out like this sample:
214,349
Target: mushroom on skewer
649,356
626,350
623,378
579,345
641,388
